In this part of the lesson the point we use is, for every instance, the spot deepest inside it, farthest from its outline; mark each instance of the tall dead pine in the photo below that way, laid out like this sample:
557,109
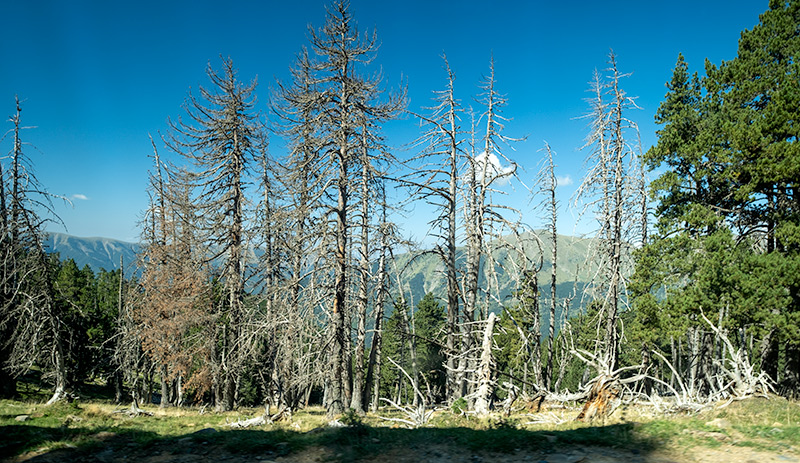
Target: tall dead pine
222,139
437,183
350,113
607,190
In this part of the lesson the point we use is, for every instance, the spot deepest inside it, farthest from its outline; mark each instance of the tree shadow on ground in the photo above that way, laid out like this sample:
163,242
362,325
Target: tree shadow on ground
339,444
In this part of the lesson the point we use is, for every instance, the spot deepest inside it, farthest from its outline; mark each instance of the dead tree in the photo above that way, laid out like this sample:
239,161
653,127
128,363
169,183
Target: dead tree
375,162
349,103
547,186
375,360
487,169
29,312
741,377
607,190
418,414
486,380
336,46
437,182
9,278
128,352
171,310
601,399
301,181
221,140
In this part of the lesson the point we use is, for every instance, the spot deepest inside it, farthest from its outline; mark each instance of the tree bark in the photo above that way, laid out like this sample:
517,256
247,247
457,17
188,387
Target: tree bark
375,360
336,399
485,371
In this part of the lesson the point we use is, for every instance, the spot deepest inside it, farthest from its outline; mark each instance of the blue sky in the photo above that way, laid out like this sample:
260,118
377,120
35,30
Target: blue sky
97,76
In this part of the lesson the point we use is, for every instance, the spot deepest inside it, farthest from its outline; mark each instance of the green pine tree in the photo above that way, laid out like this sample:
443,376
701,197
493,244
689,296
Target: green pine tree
728,241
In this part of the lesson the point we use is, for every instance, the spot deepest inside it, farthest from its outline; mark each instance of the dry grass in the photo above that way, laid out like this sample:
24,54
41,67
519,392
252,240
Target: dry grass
772,425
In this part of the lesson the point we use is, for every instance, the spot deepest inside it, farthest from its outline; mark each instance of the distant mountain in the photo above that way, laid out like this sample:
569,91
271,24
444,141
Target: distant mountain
422,272
97,253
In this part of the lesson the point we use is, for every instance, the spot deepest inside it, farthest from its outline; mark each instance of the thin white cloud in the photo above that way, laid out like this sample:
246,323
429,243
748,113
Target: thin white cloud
494,168
564,180
80,197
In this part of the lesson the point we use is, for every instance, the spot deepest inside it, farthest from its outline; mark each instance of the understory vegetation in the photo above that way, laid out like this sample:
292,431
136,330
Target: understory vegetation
82,428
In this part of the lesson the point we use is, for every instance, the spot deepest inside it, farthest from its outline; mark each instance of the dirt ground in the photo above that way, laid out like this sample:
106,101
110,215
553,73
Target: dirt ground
185,452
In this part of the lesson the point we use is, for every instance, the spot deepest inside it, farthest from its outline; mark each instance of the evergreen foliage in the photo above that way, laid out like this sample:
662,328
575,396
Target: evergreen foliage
727,209
423,331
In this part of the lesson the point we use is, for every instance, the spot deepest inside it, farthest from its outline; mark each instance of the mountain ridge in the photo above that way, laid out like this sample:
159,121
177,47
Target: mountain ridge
96,252
421,270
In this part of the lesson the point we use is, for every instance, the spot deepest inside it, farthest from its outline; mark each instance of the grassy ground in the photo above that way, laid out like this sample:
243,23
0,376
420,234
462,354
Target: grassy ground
769,425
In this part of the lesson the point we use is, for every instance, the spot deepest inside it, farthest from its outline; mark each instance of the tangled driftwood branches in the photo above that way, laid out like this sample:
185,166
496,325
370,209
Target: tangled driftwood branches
602,400
416,416
743,379
261,420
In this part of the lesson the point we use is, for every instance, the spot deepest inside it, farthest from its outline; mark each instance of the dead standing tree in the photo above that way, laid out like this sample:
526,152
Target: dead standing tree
375,164
607,190
484,219
128,352
547,186
12,275
387,233
452,179
347,105
174,290
302,185
437,182
222,140
29,311
485,374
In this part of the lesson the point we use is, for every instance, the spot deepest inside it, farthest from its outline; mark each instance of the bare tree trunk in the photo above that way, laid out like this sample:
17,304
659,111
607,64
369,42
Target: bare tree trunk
440,188
57,333
552,206
618,206
473,224
450,262
362,301
485,370
117,375
347,362
350,101
60,371
165,399
336,399
29,312
647,383
607,187
562,367
410,336
119,391
693,343
375,360
179,390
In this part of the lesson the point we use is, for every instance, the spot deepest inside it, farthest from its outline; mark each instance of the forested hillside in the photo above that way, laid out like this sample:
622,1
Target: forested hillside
422,272
421,276
283,278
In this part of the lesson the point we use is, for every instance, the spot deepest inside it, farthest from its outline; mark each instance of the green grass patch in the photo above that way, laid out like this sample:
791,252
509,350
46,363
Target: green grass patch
88,427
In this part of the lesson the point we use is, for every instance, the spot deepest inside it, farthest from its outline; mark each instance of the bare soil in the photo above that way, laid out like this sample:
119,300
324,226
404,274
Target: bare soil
186,452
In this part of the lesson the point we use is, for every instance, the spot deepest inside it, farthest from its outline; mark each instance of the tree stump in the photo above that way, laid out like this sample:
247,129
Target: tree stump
600,401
